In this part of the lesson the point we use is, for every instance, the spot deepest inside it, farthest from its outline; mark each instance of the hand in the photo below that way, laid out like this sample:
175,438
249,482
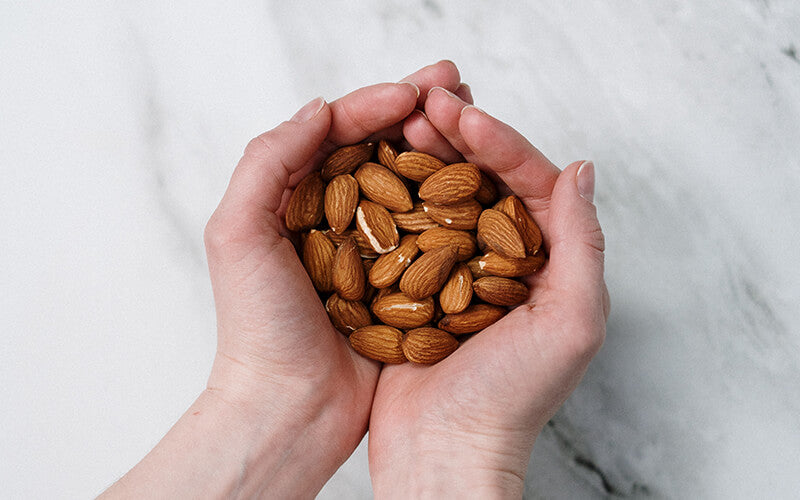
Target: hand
466,426
287,399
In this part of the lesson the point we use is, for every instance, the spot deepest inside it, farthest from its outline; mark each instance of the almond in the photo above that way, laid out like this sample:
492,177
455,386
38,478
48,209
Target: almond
348,272
451,184
415,221
487,193
402,311
318,255
500,234
462,215
527,228
341,200
500,291
305,207
364,247
428,345
386,155
473,319
426,275
390,266
377,227
417,166
494,264
346,315
346,159
457,290
381,293
379,342
464,242
380,185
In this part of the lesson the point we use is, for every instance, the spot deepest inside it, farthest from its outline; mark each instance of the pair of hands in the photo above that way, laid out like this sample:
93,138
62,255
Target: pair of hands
288,400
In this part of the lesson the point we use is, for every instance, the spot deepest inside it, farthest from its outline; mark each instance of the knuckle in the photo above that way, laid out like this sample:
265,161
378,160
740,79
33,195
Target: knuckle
259,147
585,340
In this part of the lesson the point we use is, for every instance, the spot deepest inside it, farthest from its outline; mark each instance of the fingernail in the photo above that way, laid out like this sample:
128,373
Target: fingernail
308,111
416,89
470,106
465,90
443,90
585,181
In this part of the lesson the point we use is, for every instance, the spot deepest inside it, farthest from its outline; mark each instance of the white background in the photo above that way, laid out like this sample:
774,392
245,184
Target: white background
120,123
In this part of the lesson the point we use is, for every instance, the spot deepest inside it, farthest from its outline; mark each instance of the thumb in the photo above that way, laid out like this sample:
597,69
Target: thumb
577,245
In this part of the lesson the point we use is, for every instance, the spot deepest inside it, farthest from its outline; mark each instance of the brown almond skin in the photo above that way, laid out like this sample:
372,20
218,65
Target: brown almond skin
465,242
463,215
390,266
472,319
377,227
526,226
500,291
346,159
457,290
306,205
318,256
401,311
348,277
387,154
451,184
428,345
417,166
380,185
364,247
500,234
494,264
341,200
426,275
379,342
487,192
415,221
347,316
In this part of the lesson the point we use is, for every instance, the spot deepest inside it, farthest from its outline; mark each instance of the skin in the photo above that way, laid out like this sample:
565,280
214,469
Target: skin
288,400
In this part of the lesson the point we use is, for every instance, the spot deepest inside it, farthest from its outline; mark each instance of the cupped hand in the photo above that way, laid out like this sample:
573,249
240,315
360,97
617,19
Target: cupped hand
468,423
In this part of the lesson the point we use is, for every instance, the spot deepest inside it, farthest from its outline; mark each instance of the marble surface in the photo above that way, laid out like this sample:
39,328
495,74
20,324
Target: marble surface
120,123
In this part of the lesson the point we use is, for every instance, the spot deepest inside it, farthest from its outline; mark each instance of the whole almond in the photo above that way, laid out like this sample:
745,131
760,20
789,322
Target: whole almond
346,159
348,271
417,166
472,319
415,221
462,215
380,185
428,345
426,275
487,193
386,155
494,264
318,255
457,290
305,207
402,311
464,242
379,342
500,291
381,293
390,266
500,234
364,248
377,227
346,315
341,200
527,228
451,184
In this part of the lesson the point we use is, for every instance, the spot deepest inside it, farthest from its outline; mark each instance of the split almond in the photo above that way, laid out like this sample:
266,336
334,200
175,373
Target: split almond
341,200
377,227
347,316
380,185
428,345
379,342
464,242
318,255
417,166
390,266
348,271
428,273
456,293
346,159
401,311
500,291
473,319
452,184
462,215
500,234
305,207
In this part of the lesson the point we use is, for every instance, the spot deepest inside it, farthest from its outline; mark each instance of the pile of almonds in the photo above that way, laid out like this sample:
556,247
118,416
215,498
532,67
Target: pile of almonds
409,242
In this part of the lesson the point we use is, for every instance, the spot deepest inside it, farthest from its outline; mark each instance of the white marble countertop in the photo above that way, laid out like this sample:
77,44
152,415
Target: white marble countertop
120,123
